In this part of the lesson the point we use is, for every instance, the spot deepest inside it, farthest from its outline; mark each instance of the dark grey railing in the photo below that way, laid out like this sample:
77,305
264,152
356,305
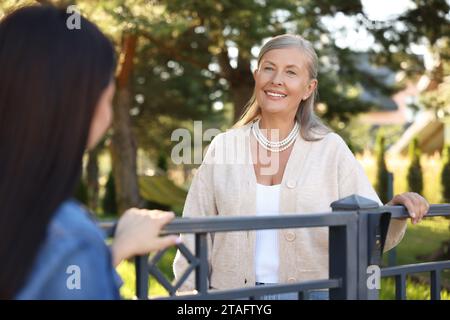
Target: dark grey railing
400,272
357,232
342,260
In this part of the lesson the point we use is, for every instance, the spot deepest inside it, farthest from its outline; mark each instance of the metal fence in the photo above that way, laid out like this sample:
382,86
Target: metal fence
357,233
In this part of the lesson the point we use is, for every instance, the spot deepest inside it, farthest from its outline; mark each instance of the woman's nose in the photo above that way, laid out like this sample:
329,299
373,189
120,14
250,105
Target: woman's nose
277,78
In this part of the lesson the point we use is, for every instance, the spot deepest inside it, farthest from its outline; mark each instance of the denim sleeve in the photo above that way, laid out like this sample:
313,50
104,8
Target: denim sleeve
83,272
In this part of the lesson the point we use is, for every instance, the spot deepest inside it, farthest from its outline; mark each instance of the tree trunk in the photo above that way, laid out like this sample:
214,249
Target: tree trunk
240,80
123,145
240,94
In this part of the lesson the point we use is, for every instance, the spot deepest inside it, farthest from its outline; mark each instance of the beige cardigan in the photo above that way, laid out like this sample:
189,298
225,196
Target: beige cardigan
317,173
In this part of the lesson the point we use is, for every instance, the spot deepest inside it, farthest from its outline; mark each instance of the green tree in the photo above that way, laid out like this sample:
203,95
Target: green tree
445,174
92,176
221,38
415,176
162,162
109,202
381,185
81,192
147,104
425,22
444,251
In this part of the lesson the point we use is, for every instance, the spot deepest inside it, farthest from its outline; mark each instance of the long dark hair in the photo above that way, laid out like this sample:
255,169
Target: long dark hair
51,78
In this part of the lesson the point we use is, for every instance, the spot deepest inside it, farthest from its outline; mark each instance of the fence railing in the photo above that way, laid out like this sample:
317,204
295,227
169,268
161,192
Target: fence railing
357,233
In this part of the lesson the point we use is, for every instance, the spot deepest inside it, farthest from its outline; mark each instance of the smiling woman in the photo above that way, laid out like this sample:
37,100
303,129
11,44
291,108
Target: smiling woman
278,67
287,64
297,166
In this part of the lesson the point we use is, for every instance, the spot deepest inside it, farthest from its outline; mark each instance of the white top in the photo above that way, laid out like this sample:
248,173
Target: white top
266,249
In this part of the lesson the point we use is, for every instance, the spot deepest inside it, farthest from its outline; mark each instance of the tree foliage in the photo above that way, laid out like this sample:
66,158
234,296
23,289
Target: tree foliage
415,176
109,202
381,185
445,174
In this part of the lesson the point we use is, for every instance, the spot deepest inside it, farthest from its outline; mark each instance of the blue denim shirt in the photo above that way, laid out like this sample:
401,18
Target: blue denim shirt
73,262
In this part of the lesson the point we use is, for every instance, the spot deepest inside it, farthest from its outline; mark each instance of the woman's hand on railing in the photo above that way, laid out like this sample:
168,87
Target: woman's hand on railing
137,233
416,205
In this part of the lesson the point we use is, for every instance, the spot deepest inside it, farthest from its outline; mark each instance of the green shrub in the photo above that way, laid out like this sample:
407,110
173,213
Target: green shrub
415,176
81,192
445,174
109,202
162,162
445,180
381,185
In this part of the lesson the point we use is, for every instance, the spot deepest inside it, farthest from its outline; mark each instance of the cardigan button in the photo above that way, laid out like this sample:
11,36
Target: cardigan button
290,236
291,184
292,280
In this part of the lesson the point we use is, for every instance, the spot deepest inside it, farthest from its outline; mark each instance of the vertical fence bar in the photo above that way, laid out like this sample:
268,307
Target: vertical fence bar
351,246
141,265
392,254
435,285
400,287
201,271
343,265
392,257
303,295
337,261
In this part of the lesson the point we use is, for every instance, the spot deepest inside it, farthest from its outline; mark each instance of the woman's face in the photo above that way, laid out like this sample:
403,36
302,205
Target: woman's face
282,81
102,116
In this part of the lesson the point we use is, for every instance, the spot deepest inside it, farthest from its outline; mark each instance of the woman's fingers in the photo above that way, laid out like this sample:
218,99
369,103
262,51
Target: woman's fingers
168,241
411,207
423,206
420,205
165,217
416,205
138,232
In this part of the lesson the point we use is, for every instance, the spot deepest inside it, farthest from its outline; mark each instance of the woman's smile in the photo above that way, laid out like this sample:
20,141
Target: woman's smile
275,95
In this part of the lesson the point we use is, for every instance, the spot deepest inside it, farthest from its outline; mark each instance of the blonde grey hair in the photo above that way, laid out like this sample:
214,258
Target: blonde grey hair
310,124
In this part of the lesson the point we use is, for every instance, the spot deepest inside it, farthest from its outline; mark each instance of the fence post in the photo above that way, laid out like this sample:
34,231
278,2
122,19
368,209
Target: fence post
201,271
392,254
371,234
141,264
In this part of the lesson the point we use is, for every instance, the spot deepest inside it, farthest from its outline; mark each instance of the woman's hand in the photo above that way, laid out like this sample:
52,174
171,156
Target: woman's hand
416,205
138,231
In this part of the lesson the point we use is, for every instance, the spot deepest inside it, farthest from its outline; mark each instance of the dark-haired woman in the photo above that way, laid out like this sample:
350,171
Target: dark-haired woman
56,88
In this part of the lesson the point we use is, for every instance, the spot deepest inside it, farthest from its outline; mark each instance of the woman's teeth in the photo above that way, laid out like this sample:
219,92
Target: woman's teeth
273,94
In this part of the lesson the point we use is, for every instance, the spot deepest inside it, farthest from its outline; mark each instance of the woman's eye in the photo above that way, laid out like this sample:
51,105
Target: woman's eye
268,68
291,73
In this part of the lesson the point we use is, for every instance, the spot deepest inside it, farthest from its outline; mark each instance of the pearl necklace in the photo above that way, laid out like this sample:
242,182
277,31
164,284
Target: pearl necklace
275,146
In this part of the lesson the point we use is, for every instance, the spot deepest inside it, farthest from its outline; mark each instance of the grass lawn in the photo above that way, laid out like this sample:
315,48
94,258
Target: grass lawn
419,240
422,239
